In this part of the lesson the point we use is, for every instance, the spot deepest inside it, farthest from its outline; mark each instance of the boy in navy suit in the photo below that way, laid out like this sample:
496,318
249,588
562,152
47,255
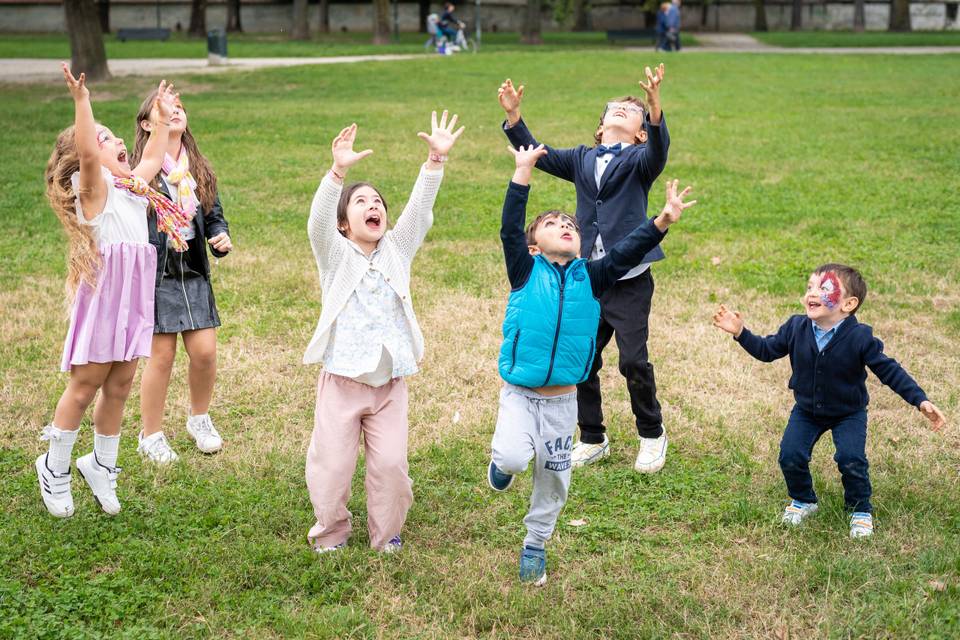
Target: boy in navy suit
612,180
829,353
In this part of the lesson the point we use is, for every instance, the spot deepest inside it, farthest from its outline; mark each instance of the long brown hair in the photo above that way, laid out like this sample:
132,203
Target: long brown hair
199,165
83,261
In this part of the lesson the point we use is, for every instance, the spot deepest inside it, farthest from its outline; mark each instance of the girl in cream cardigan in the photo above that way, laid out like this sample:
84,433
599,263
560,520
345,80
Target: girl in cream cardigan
368,340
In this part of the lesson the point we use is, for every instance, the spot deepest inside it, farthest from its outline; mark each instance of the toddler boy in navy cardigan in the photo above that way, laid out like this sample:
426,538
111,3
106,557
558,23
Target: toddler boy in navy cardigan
829,354
548,344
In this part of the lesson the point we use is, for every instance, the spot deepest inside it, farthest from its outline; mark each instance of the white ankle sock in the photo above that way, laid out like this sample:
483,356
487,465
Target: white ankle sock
107,449
61,447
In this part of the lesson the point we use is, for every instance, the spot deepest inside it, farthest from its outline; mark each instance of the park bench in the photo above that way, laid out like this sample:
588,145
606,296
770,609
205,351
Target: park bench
143,34
620,35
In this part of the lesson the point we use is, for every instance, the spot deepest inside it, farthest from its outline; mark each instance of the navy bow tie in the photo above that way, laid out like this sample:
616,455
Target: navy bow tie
615,149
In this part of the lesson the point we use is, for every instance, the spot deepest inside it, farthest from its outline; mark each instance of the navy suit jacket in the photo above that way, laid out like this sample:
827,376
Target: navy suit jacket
619,205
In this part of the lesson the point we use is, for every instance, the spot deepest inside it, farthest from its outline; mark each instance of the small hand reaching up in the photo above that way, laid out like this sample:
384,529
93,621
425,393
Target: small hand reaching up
344,156
77,86
652,88
510,98
728,320
441,139
526,158
674,205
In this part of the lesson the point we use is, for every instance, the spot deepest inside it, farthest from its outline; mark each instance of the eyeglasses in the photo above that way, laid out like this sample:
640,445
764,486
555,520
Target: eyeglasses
625,106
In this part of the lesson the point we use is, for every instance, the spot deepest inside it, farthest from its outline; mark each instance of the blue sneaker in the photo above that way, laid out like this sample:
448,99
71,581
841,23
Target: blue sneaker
395,545
533,566
498,480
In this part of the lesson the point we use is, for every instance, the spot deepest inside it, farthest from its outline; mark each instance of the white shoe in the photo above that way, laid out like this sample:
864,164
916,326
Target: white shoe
156,448
796,512
861,525
585,453
652,454
102,481
54,489
203,432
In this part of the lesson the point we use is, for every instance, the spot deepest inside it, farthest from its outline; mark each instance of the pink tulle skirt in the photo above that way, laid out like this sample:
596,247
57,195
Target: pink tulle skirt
114,321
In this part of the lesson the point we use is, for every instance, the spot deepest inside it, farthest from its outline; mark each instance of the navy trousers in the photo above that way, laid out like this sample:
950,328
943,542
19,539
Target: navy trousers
850,438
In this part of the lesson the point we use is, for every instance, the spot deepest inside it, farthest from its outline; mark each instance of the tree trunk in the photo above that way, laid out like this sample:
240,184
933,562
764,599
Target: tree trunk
381,21
900,15
796,16
859,16
760,18
324,16
300,30
87,54
581,15
198,19
424,12
233,17
531,24
103,7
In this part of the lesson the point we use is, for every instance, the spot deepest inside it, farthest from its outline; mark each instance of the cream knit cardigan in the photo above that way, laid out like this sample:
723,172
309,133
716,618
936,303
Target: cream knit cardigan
342,265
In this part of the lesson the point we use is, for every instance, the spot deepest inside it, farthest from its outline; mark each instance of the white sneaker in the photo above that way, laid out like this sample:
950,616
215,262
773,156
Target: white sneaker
585,453
102,481
54,489
796,512
652,454
156,448
861,525
203,432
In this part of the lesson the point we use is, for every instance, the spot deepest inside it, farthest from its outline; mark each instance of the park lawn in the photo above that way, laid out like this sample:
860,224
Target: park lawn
52,45
790,171
866,39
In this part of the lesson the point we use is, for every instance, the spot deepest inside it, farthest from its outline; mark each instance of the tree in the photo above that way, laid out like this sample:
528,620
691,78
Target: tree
324,16
198,19
796,16
900,15
300,30
104,8
424,13
87,54
859,16
531,33
581,15
760,18
233,17
381,21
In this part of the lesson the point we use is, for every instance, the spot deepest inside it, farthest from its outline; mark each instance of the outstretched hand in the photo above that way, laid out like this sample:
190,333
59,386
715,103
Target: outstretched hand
510,96
728,320
442,136
526,157
652,88
77,86
344,156
675,205
930,411
165,103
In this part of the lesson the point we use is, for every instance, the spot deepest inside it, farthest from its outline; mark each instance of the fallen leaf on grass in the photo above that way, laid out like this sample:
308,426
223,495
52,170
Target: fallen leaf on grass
938,585
579,522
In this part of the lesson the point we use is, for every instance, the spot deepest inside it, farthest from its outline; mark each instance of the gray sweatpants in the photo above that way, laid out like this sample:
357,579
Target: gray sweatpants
534,427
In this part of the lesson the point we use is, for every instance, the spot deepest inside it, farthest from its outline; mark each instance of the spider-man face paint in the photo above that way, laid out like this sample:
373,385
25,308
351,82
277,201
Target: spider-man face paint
830,290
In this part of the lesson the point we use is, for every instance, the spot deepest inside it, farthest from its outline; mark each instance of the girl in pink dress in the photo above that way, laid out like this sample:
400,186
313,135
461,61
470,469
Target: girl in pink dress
102,205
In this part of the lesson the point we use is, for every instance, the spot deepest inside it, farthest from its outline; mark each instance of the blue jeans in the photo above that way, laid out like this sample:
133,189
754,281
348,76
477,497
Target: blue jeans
850,438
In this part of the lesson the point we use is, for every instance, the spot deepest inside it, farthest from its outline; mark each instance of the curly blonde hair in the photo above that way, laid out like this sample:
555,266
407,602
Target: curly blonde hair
83,259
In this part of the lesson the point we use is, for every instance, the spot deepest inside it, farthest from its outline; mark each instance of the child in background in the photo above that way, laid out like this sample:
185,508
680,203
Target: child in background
102,205
829,354
368,340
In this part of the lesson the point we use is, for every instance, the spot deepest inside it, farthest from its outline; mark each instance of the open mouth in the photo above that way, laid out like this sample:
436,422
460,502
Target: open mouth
372,221
566,236
813,305
122,156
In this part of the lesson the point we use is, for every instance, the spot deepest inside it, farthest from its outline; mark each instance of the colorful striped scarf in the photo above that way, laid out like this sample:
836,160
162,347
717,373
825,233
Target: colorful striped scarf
178,174
170,218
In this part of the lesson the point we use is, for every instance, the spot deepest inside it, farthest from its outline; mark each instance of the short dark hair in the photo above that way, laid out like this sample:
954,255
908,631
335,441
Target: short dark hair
632,99
345,201
546,215
849,277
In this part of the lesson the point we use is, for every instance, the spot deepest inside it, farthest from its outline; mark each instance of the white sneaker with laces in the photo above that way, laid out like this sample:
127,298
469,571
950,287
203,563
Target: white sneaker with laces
102,481
156,448
203,432
796,512
652,455
54,489
585,453
861,525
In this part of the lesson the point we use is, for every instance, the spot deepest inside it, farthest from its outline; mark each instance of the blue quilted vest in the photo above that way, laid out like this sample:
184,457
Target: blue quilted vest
550,327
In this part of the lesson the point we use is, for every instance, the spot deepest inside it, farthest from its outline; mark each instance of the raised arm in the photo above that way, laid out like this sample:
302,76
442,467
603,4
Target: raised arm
151,160
93,190
557,162
417,216
516,253
653,156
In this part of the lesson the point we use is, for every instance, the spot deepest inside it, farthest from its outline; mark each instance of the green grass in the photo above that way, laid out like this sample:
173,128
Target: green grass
257,45
790,171
866,39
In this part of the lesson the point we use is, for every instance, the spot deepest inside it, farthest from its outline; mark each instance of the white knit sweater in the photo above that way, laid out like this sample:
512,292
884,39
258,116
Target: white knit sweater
342,268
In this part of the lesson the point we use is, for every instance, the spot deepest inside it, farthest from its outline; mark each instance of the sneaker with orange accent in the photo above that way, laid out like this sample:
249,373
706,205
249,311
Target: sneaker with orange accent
861,525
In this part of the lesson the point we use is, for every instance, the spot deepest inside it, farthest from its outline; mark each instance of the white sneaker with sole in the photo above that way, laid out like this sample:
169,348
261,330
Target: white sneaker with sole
203,432
54,489
861,525
102,481
585,453
652,455
796,512
156,448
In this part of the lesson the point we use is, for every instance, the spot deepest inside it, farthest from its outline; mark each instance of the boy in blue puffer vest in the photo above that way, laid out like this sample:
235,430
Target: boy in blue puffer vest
549,333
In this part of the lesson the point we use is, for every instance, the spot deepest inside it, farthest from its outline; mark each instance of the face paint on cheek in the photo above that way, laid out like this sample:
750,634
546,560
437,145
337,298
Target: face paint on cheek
830,289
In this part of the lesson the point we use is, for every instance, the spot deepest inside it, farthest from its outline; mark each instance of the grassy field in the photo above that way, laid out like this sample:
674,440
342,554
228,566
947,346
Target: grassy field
257,45
795,160
866,39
